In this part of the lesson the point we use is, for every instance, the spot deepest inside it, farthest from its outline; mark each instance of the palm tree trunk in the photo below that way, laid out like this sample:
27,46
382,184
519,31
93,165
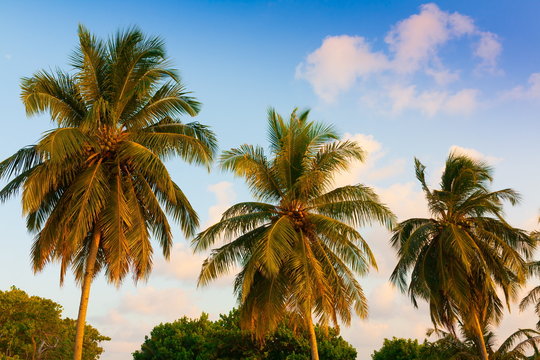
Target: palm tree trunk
85,294
312,337
481,341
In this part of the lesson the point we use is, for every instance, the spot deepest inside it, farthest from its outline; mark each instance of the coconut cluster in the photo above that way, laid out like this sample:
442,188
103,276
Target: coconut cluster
107,140
297,217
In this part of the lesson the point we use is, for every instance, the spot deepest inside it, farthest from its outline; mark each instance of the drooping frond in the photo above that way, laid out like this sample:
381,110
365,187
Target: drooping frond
55,93
250,163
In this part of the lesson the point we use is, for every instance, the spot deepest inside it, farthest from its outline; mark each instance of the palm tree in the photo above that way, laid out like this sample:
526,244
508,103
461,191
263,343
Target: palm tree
517,346
460,257
297,245
533,297
95,189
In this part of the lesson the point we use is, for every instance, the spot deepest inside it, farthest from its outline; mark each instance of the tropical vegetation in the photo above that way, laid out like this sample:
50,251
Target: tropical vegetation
463,258
96,192
297,243
533,297
31,327
521,345
202,339
95,188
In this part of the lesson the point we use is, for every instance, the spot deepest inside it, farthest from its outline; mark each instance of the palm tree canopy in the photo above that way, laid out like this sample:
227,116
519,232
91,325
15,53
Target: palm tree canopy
458,259
533,297
296,245
101,169
523,344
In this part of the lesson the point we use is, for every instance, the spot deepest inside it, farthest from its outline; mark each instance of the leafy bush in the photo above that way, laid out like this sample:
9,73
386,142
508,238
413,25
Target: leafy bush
202,339
31,327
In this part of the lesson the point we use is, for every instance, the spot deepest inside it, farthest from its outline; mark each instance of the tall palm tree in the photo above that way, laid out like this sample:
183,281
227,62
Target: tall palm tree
95,189
297,245
533,297
460,257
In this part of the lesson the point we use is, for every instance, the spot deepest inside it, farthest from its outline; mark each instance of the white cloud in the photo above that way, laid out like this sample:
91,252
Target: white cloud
405,200
335,66
416,40
443,76
369,170
137,313
463,102
530,92
8,56
182,265
432,102
412,48
474,154
166,304
488,50
225,196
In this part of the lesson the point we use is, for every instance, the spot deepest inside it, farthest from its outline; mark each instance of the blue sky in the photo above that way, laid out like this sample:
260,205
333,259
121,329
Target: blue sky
404,78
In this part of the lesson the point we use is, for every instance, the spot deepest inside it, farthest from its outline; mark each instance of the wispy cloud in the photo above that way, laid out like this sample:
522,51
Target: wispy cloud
137,313
529,92
432,102
475,154
225,196
370,170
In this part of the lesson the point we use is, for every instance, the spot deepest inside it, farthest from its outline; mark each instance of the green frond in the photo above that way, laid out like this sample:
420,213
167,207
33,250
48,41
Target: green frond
329,160
182,143
115,219
90,59
21,162
250,163
64,144
273,248
229,228
170,100
56,94
357,205
157,222
224,258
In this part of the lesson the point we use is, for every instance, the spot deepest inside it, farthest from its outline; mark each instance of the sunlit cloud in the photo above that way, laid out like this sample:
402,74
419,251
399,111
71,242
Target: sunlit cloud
529,92
225,196
474,154
412,47
137,314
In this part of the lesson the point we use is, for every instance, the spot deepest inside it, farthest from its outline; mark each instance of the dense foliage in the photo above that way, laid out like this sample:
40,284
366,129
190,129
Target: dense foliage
398,349
31,327
202,339
407,349
521,345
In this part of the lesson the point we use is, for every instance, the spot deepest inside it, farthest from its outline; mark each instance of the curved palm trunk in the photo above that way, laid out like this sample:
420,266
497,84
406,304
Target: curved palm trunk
480,337
85,294
312,337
